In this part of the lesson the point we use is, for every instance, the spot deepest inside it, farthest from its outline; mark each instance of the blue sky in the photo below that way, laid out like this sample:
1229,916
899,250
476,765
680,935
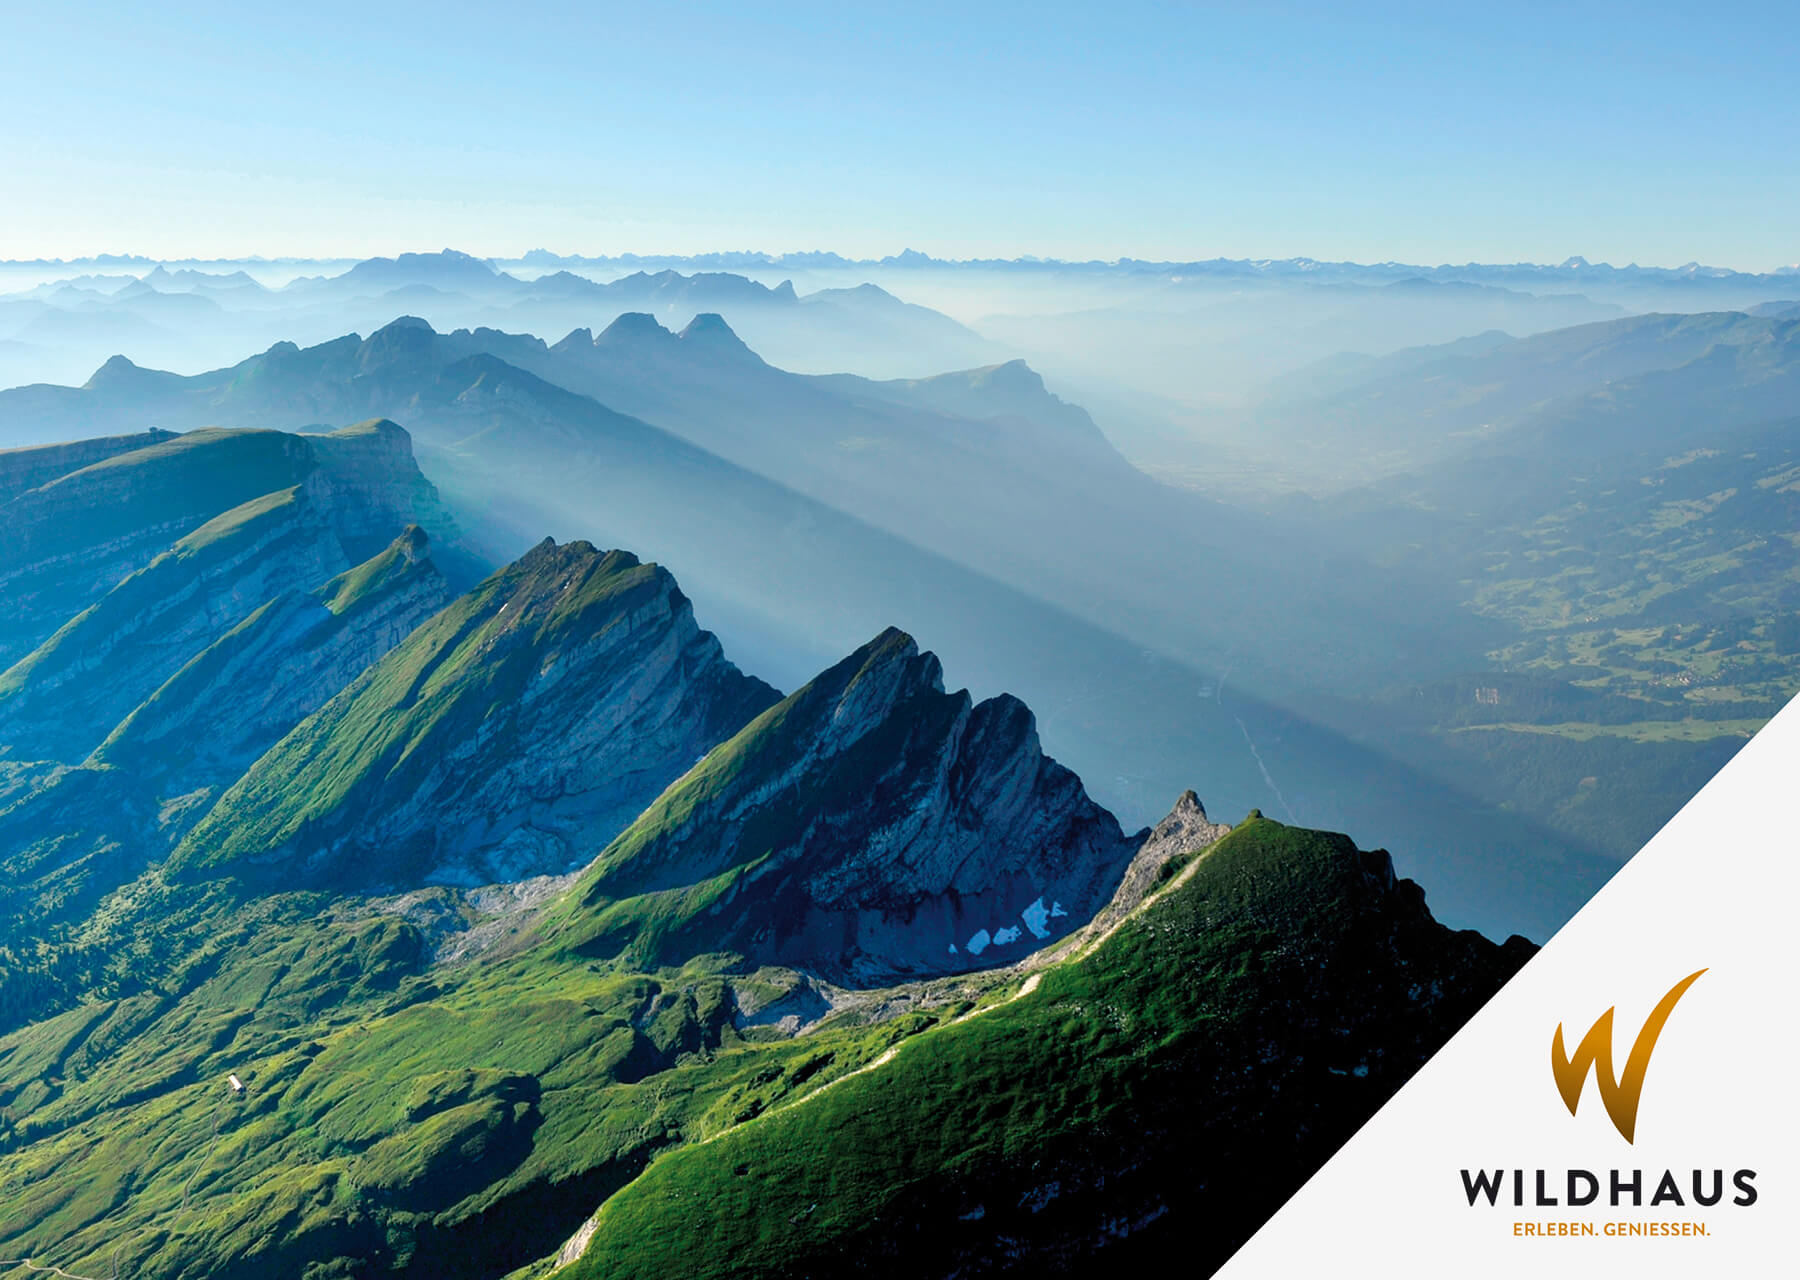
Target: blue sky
1425,133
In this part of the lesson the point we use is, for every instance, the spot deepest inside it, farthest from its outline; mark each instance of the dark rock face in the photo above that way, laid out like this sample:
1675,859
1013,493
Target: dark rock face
512,735
375,488
879,827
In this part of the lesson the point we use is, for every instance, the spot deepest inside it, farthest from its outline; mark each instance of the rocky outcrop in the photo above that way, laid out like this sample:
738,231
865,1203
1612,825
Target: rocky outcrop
870,827
375,487
1186,831
236,698
512,735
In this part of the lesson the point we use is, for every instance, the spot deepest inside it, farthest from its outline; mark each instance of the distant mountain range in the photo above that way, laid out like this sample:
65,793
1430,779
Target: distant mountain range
1572,269
1640,384
1155,349
190,319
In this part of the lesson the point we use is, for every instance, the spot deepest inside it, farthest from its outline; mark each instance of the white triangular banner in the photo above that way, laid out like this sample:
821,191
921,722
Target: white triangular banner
1716,890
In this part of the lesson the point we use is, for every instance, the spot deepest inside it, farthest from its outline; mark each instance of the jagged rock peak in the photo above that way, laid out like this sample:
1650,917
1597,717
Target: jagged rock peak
1185,829
877,826
866,685
550,554
414,544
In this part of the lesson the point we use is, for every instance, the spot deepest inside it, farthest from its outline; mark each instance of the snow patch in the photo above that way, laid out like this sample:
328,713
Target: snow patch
1037,919
1009,934
979,943
1056,909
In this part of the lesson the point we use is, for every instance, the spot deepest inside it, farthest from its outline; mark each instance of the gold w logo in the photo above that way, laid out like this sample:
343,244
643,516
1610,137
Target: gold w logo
1620,1094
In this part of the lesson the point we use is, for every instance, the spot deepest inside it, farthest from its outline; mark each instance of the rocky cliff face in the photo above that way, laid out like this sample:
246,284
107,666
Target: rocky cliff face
66,542
60,701
870,826
375,487
69,539
236,698
513,734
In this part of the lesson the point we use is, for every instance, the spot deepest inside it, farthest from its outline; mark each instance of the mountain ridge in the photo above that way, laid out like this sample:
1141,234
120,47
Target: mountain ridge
442,1076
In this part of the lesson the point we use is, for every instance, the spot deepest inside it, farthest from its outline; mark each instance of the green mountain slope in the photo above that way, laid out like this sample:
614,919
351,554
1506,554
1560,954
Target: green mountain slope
513,734
240,1059
1149,1098
452,1121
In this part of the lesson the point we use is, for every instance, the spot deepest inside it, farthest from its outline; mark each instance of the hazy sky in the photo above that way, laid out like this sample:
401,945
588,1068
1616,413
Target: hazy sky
1429,133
